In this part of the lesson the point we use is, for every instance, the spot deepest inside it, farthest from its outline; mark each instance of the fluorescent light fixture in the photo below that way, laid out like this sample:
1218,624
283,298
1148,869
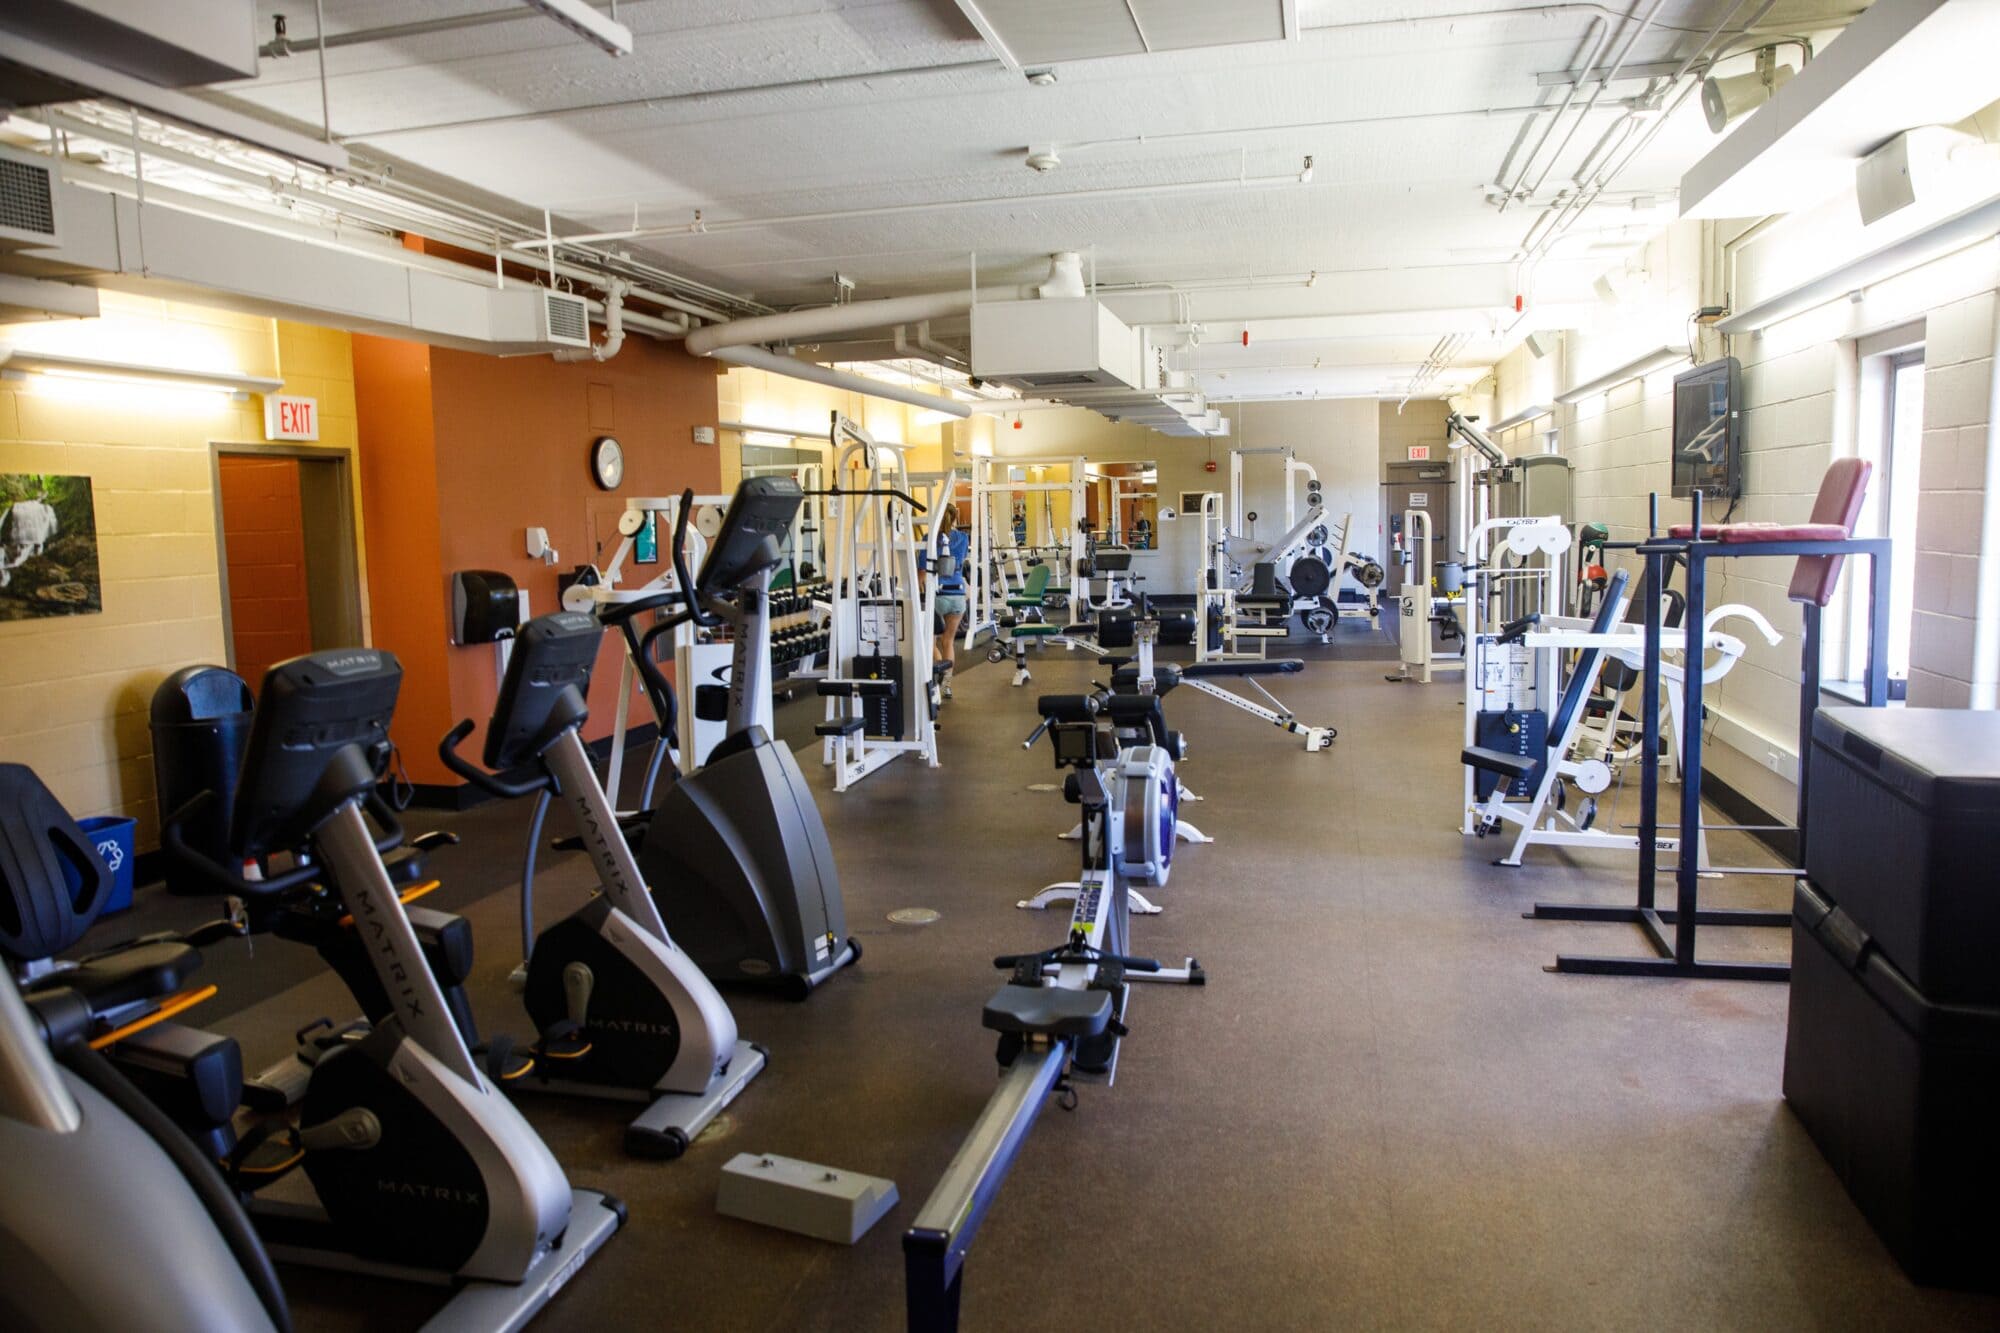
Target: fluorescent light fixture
1638,368
611,38
69,366
1523,417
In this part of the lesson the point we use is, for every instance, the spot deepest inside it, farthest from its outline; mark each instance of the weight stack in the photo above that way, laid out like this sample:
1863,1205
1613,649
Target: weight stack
882,713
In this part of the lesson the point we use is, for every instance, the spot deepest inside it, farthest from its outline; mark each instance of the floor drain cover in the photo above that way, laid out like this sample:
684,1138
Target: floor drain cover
913,916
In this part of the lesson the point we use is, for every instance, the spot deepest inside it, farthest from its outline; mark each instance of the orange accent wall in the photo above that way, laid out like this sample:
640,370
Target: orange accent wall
461,454
399,500
270,609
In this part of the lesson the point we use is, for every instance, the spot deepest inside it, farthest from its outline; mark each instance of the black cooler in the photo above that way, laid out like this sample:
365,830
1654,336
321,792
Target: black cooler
1892,1054
1902,1095
1904,811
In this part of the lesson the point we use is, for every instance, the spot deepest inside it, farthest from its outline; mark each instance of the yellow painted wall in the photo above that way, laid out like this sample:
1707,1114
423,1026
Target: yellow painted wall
761,398
74,690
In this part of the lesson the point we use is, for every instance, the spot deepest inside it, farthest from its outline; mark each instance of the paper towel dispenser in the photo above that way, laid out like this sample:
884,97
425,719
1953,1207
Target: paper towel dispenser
485,606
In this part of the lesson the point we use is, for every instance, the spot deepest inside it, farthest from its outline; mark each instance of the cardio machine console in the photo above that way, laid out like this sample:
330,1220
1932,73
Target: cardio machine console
550,665
309,710
752,538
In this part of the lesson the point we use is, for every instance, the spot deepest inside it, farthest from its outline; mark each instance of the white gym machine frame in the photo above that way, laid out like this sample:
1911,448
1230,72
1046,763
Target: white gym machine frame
986,595
1573,760
696,657
879,603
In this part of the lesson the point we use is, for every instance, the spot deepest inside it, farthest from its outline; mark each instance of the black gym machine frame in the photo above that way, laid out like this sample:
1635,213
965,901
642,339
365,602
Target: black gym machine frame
1672,931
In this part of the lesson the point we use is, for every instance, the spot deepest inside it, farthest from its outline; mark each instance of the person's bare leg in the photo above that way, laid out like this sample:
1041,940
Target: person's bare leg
948,649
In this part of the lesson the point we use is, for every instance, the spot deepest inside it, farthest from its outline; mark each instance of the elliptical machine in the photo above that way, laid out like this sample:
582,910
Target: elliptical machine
736,852
422,1169
621,1012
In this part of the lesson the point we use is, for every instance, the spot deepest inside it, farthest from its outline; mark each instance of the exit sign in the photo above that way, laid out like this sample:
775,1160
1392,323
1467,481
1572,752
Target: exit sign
1420,453
290,418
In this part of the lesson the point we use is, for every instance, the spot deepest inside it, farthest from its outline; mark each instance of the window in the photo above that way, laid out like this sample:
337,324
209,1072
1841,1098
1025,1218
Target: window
1889,432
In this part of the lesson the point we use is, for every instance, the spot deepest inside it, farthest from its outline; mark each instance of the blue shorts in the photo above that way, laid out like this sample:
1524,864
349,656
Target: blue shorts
951,604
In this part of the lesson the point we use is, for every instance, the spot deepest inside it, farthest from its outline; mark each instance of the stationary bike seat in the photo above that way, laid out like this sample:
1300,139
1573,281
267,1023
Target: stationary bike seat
142,970
1053,1011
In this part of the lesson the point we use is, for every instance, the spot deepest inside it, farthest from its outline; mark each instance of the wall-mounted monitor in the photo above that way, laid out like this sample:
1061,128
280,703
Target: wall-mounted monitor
1708,430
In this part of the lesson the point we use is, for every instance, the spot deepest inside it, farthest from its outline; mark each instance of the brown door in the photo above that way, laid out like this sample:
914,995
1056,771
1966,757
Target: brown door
270,603
1425,488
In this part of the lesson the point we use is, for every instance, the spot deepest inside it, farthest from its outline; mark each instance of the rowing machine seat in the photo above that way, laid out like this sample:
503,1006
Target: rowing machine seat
1276,666
1050,1011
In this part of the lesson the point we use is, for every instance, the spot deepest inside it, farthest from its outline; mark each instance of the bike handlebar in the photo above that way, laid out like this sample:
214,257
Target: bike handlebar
477,776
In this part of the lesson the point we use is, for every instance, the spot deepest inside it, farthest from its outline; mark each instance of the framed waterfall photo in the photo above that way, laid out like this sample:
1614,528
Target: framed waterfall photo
48,547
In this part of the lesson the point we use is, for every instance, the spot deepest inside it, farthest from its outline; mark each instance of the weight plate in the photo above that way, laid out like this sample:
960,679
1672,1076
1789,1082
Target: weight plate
1309,577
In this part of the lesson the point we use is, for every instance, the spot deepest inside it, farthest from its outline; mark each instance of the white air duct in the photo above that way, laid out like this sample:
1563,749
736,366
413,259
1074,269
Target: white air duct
810,325
760,359
1065,276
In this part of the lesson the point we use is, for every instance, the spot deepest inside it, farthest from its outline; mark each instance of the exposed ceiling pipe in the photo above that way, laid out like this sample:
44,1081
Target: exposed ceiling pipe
806,325
284,44
699,226
946,354
300,189
922,347
369,244
760,359
614,329
871,79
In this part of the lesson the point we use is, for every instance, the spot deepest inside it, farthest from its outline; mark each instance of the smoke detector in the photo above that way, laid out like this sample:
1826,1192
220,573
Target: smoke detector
1043,160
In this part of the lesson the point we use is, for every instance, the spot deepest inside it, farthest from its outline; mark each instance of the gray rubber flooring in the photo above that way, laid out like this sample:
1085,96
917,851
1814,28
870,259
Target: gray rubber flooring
1380,1113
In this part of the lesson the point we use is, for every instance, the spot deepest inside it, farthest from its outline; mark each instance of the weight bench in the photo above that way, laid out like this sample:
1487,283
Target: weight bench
1202,676
1017,637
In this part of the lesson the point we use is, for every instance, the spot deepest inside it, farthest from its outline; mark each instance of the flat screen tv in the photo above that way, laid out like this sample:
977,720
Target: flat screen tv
1708,430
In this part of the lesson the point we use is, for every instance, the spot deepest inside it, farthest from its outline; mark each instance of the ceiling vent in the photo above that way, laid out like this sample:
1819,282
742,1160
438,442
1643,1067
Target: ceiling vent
1034,32
27,201
1047,346
565,319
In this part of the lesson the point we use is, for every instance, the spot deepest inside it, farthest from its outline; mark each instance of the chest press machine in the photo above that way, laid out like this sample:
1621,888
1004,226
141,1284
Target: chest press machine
1545,764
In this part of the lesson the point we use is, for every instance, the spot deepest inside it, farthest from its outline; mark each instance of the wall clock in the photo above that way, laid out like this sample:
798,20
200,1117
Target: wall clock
607,462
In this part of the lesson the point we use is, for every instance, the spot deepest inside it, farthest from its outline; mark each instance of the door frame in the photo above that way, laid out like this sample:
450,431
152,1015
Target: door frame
347,575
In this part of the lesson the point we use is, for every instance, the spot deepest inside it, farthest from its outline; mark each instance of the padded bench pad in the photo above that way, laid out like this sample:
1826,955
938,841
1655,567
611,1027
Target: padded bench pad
1738,533
1276,666
1054,1011
1035,631
1507,765
847,689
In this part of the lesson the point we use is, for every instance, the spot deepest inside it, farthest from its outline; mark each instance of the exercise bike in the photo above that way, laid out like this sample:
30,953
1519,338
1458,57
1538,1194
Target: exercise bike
620,1011
422,1169
112,1218
1061,1015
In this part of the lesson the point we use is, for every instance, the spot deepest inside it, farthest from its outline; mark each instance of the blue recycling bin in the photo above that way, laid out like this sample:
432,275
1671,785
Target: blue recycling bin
116,840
